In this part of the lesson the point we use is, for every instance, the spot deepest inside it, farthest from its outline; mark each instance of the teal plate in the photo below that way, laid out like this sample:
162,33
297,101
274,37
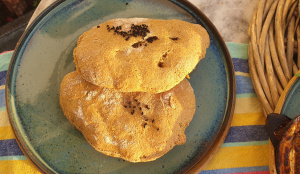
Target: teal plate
291,105
44,56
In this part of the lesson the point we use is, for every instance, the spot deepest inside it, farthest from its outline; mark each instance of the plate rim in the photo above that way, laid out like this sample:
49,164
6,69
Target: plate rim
282,100
198,164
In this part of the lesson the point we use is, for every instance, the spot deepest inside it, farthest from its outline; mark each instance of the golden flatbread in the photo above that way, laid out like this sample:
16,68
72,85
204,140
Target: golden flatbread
135,126
139,54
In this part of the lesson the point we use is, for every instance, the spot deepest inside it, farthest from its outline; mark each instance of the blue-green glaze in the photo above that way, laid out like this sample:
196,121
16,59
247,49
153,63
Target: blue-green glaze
44,57
291,106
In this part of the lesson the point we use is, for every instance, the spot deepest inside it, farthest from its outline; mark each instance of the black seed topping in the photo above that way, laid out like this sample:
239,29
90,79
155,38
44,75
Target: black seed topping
138,103
142,113
174,38
140,108
135,45
151,39
145,125
125,106
153,121
157,129
135,30
132,112
146,119
98,26
147,107
165,55
135,100
134,107
160,64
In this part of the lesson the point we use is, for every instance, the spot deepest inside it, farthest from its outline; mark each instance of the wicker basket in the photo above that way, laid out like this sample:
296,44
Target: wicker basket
274,54
274,49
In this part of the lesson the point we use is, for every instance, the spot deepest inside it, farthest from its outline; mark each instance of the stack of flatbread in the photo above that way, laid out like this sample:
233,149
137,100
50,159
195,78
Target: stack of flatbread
129,96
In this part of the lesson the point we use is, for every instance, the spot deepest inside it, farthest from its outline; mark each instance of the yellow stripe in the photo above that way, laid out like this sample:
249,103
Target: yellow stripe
247,105
241,156
4,121
6,133
2,87
18,166
242,74
248,119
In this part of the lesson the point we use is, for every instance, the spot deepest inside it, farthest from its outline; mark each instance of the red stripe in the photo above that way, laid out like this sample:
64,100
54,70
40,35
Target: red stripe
5,52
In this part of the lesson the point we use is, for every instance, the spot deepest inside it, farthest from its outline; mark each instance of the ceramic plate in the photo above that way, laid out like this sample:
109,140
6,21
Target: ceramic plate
291,99
44,56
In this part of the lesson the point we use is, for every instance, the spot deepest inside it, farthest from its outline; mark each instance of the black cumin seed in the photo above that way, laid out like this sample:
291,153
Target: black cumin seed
151,39
98,26
134,107
138,103
145,125
132,112
147,107
160,64
135,100
174,38
127,38
142,113
140,108
135,45
125,106
157,129
146,119
153,121
129,103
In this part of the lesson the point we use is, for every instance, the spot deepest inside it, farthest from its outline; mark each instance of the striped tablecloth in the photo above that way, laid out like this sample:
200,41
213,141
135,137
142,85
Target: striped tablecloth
245,149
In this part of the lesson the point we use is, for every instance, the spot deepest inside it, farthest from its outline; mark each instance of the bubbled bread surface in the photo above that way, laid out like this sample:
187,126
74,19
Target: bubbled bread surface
139,54
135,126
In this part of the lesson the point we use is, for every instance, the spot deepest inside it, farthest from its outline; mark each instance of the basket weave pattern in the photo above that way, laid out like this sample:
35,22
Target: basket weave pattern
274,49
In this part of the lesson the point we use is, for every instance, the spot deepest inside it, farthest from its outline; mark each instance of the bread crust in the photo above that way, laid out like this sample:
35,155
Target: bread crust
154,57
135,126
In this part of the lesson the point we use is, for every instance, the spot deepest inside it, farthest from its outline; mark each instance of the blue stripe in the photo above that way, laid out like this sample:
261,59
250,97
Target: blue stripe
249,143
2,98
248,95
10,148
246,134
244,85
237,170
2,77
241,65
2,109
10,158
238,50
4,60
